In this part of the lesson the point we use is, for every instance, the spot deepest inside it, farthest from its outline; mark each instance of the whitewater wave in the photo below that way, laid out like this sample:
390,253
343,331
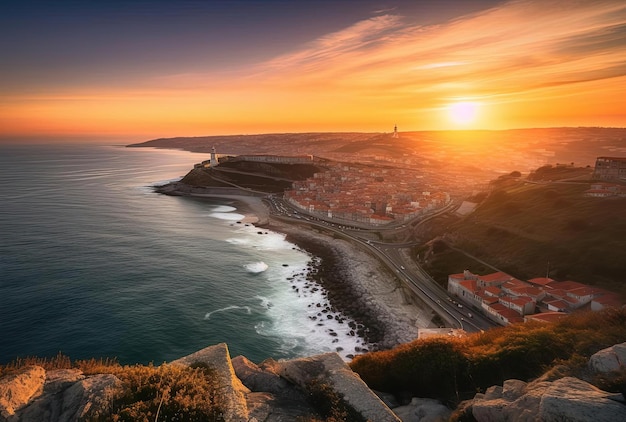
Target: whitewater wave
228,308
236,241
224,208
265,302
228,216
256,267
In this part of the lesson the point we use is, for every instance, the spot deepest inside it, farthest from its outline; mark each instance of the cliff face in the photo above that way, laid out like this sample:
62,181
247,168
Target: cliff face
307,387
273,391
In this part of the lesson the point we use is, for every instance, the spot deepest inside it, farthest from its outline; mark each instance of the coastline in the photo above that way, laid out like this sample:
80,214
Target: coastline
356,284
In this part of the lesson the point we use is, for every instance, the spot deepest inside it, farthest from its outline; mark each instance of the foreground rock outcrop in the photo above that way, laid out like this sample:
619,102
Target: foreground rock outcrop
64,395
270,392
274,391
563,399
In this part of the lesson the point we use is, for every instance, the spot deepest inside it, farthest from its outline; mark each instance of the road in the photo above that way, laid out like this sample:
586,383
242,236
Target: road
409,273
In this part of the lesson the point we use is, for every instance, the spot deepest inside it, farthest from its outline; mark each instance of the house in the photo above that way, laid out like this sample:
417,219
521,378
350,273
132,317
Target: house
545,317
523,305
540,281
607,300
494,279
610,168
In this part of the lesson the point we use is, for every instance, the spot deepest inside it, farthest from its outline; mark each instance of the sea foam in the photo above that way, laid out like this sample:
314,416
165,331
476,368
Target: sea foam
256,267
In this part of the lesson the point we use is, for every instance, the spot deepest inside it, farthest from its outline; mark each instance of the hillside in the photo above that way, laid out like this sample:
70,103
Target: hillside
528,229
263,177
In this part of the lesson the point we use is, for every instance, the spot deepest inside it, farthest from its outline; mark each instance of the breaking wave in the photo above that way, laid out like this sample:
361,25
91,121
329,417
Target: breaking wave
256,267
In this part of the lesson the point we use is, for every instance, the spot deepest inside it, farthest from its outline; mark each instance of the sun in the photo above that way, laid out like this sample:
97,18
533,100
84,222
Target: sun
463,113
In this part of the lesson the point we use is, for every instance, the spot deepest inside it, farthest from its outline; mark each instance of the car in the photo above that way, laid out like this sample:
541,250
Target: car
459,305
469,314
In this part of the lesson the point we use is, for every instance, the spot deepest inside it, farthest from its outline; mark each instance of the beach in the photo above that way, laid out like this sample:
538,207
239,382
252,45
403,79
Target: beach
357,284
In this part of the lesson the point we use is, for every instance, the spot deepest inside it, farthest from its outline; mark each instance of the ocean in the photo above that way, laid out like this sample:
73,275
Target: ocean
93,263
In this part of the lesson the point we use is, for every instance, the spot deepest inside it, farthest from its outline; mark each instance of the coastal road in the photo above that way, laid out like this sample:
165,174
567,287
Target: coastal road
409,273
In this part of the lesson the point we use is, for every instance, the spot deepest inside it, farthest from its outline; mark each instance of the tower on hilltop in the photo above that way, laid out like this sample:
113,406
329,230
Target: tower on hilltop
213,157
395,132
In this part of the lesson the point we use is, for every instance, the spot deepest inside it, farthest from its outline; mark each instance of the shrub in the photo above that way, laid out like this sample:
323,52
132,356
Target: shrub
451,369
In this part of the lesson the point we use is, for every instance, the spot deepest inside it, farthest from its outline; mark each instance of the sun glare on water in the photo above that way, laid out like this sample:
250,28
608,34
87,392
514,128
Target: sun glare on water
463,113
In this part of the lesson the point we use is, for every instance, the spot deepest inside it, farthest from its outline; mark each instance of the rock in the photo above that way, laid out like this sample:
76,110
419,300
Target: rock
513,389
387,398
564,399
232,391
266,407
609,359
423,410
331,370
72,397
17,389
571,399
60,379
259,379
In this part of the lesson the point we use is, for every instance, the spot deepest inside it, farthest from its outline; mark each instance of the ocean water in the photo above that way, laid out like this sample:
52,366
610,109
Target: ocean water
93,263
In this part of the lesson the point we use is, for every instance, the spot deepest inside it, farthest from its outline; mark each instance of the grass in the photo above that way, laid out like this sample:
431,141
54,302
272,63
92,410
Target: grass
453,369
524,228
147,392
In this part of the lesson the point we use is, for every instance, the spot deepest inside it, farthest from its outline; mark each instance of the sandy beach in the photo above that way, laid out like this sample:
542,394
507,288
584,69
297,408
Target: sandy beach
356,283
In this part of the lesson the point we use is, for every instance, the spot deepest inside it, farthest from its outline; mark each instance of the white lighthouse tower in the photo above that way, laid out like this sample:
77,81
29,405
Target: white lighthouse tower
395,132
213,157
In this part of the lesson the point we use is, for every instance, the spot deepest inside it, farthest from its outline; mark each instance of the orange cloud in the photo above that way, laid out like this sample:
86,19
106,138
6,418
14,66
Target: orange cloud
528,63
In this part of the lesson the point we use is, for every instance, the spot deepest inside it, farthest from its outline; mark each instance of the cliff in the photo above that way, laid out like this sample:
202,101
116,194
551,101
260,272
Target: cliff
314,388
272,391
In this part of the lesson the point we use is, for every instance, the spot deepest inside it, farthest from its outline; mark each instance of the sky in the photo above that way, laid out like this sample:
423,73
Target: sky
138,69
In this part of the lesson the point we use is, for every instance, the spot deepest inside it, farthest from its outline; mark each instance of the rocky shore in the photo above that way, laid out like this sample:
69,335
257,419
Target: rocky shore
357,285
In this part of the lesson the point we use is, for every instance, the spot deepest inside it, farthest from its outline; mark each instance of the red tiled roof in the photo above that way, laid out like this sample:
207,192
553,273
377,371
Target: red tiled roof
541,281
493,290
566,285
469,285
529,291
582,291
546,316
559,304
495,277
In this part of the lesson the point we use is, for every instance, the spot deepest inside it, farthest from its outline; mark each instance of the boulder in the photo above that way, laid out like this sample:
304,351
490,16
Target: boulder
263,379
233,391
49,405
19,388
272,398
610,359
65,400
575,400
564,399
331,370
423,410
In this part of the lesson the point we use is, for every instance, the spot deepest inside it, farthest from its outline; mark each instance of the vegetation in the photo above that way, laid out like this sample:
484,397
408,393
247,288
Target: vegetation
527,229
331,405
167,391
453,369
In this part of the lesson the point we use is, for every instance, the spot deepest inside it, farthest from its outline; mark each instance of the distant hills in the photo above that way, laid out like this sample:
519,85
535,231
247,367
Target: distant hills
491,151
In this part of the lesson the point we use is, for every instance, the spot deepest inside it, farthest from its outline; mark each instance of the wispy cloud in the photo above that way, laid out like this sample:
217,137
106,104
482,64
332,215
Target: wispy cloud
504,52
533,62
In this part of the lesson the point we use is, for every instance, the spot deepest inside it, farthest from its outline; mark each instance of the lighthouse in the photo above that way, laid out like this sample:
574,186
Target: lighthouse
395,132
213,157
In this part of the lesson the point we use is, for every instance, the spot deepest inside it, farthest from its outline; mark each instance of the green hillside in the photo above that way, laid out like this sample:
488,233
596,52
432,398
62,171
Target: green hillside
529,228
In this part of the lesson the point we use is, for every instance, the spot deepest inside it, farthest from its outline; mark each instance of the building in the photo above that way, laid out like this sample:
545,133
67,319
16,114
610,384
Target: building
507,300
610,168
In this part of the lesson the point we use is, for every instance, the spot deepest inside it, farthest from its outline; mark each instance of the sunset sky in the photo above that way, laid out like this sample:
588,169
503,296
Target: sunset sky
138,70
